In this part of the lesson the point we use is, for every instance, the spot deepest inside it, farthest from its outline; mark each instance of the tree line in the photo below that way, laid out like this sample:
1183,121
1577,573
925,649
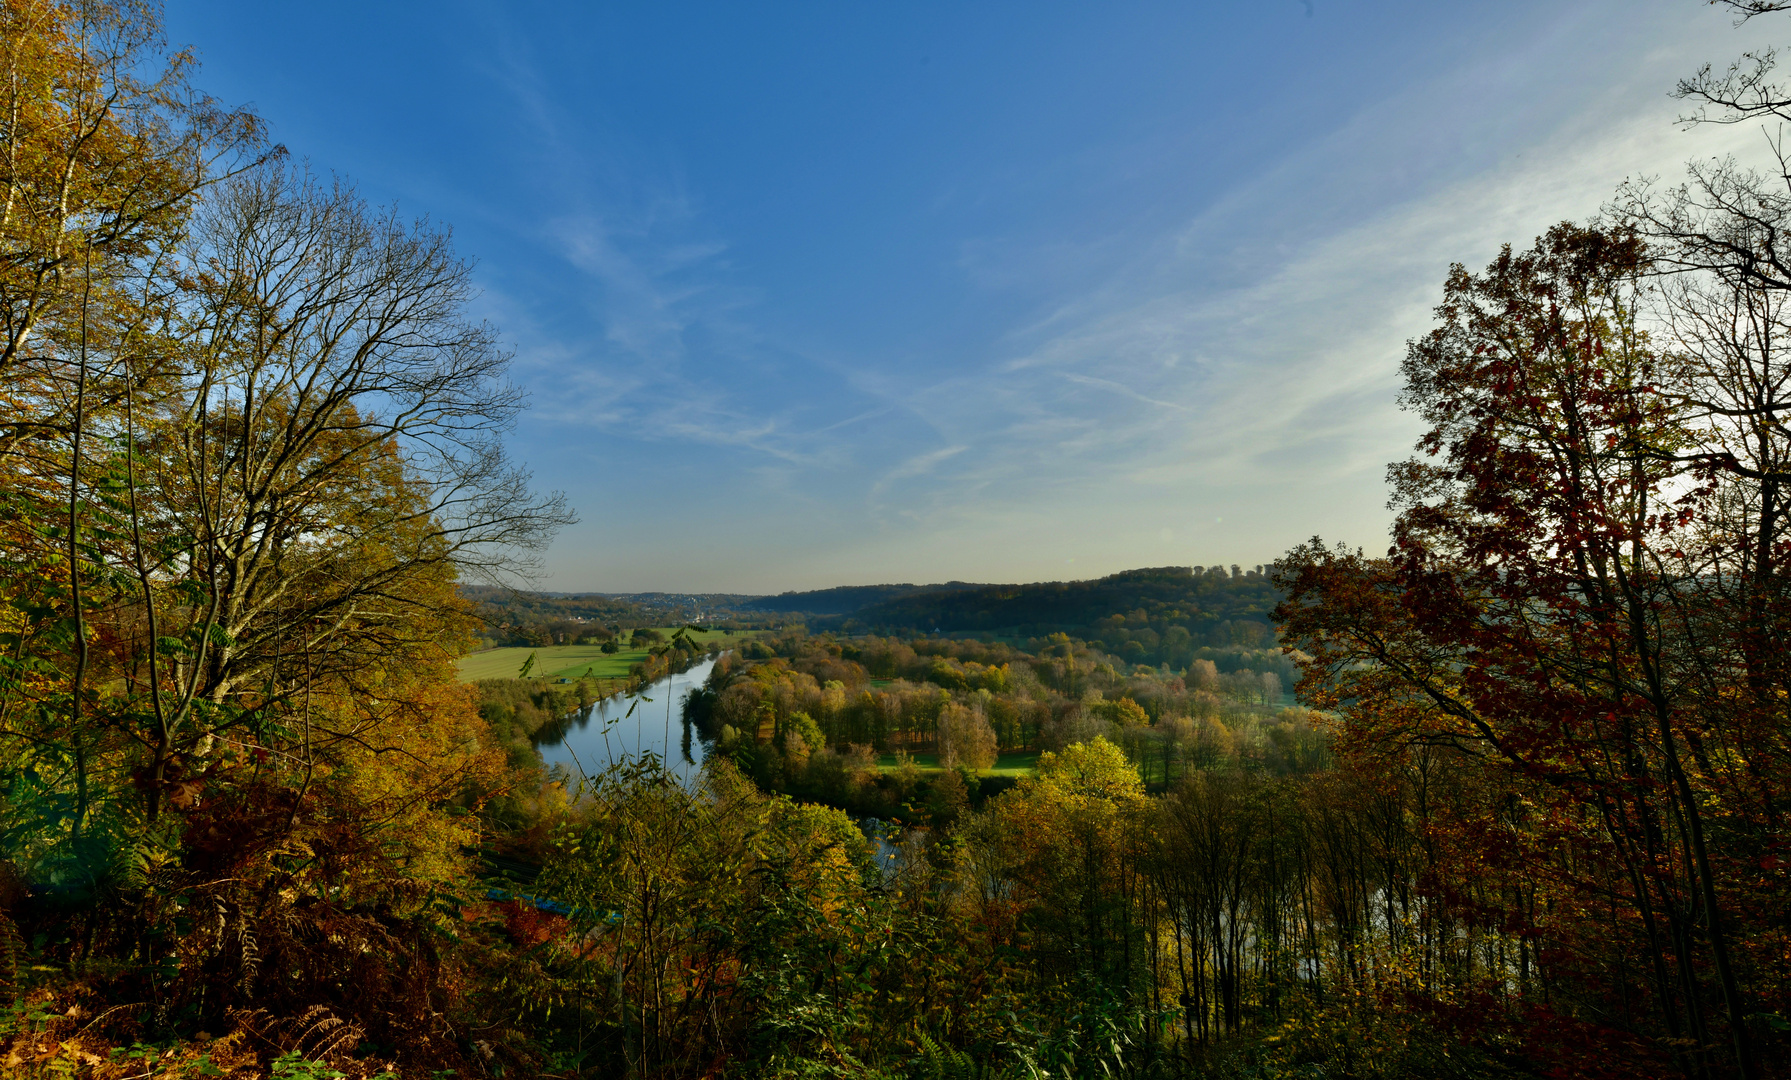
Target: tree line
1214,605
1259,916
520,617
792,710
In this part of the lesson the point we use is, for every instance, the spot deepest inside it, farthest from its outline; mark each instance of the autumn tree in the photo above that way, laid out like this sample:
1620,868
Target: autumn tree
965,737
263,447
1065,844
103,144
1538,614
104,150
331,452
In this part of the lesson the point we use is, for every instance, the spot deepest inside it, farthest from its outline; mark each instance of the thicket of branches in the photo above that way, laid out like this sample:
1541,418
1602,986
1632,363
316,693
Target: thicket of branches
1586,599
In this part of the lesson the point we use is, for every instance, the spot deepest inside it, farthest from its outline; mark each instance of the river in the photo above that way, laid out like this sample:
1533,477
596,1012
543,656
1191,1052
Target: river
592,739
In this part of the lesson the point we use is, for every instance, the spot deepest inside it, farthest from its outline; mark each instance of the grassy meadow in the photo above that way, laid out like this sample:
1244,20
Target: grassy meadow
568,661
1015,763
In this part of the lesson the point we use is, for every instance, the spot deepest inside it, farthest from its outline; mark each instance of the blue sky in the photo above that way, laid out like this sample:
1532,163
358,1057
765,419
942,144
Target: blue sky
811,294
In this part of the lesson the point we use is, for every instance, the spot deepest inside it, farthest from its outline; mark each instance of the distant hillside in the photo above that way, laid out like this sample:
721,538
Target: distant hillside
1215,606
1205,605
558,618
686,607
530,618
845,599
537,607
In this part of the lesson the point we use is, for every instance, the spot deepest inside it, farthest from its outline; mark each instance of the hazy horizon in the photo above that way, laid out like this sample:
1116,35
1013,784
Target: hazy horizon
822,295
536,586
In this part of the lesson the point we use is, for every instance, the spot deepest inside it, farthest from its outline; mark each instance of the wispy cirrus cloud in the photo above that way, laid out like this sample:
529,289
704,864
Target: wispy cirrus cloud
1257,346
1221,384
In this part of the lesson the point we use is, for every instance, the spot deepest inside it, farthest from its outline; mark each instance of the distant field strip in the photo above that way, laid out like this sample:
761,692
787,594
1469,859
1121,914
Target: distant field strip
567,661
1014,763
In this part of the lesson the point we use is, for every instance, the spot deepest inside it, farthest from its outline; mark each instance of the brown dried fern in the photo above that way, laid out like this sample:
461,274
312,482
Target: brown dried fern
317,1034
12,955
250,954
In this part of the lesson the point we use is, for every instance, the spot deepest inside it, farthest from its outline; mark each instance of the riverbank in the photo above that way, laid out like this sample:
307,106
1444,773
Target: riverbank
576,661
649,720
524,714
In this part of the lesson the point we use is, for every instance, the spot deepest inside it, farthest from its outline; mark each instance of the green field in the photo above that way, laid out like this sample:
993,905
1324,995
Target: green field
1013,763
569,661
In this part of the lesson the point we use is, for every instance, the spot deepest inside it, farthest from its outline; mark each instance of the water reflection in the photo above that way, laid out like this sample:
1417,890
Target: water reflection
590,740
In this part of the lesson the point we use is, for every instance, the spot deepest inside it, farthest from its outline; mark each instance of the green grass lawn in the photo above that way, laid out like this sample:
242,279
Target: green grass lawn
1017,763
1014,763
568,661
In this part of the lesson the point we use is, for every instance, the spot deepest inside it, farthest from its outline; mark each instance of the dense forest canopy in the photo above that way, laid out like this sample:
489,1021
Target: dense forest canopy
1157,615
516,616
520,617
844,599
1209,605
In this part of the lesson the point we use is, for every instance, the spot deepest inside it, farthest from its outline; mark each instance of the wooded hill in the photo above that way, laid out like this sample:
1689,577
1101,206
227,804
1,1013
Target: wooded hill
593,607
1210,603
847,599
528,618
1211,606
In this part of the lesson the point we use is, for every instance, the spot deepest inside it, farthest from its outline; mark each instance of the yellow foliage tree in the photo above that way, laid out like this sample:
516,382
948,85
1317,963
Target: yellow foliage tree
1061,848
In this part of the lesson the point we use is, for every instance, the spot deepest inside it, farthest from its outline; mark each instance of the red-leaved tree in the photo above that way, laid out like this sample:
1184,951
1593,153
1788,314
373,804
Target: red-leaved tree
1581,607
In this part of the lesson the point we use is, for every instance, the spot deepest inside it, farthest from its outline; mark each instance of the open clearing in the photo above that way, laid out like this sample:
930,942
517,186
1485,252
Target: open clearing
569,661
1013,763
